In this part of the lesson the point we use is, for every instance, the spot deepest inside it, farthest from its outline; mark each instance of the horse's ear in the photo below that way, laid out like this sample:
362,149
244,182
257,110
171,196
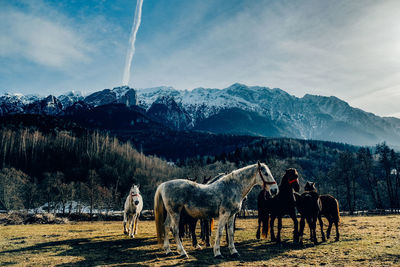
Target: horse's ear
259,164
138,186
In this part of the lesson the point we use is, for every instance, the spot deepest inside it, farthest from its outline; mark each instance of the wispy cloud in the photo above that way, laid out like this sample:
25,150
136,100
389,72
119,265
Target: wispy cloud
342,48
41,40
350,49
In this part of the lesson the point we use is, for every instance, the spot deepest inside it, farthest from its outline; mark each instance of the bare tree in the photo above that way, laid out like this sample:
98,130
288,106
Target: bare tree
12,183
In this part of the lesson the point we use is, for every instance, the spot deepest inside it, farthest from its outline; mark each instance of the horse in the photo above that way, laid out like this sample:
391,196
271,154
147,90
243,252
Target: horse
187,221
206,225
132,208
309,206
277,207
221,199
330,210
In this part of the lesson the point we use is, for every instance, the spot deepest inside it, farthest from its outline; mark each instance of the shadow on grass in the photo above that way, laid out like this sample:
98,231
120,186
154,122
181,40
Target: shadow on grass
97,251
250,251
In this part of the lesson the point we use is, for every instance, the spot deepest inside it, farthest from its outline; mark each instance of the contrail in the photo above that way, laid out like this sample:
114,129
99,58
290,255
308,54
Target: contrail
131,49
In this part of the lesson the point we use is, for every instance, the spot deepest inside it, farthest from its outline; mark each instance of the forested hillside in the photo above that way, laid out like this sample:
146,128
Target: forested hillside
91,168
50,160
360,177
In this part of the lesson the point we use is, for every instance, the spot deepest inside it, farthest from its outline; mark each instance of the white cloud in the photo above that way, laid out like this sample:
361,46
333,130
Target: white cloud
41,40
341,48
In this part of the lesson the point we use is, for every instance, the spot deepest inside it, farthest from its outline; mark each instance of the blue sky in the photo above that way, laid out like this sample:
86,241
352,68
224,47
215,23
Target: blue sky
350,49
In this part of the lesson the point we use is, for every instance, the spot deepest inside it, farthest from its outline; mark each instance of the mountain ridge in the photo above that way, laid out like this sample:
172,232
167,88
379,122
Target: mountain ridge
237,109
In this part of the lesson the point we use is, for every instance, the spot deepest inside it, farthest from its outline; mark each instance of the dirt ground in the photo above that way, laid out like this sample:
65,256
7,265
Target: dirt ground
365,241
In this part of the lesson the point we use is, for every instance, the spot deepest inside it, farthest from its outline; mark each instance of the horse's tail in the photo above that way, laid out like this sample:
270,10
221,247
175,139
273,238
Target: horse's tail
265,226
159,215
338,212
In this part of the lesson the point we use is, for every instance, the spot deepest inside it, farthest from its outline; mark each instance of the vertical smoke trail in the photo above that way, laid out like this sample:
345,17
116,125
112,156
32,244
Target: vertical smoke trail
131,49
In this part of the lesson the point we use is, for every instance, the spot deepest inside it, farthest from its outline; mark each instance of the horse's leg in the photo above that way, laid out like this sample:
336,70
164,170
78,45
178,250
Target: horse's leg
182,227
226,229
273,238
301,232
129,223
230,232
223,219
328,231
321,225
207,232
292,215
309,222
202,227
187,232
337,230
226,234
136,223
279,229
132,234
259,225
192,227
125,220
175,230
314,228
167,228
278,239
265,226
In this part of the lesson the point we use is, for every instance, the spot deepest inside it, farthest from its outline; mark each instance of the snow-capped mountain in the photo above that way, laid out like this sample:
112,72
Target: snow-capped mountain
273,112
123,95
237,109
46,106
165,110
15,103
68,99
74,100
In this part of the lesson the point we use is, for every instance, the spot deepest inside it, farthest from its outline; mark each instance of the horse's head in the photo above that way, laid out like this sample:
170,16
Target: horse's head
134,193
310,186
266,180
292,178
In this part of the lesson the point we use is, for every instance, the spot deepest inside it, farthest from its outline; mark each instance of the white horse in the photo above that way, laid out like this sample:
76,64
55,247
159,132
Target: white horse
221,199
132,208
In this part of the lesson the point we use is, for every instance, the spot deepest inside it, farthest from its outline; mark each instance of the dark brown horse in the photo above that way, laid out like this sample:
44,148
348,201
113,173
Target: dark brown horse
330,210
284,203
309,206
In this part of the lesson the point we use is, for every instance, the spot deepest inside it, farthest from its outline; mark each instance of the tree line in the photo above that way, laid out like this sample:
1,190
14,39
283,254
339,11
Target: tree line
361,178
92,169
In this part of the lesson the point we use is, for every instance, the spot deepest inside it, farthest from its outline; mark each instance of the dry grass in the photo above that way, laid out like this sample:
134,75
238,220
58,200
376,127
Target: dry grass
364,241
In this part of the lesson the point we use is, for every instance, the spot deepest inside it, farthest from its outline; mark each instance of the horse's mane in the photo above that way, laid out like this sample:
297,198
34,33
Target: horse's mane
219,175
231,175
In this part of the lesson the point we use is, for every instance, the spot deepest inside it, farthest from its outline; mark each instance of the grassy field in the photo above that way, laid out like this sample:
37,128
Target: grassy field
364,241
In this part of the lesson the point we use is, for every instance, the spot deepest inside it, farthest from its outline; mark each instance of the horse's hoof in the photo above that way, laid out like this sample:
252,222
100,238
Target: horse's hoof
169,253
235,255
219,257
208,245
183,256
258,235
198,247
336,239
